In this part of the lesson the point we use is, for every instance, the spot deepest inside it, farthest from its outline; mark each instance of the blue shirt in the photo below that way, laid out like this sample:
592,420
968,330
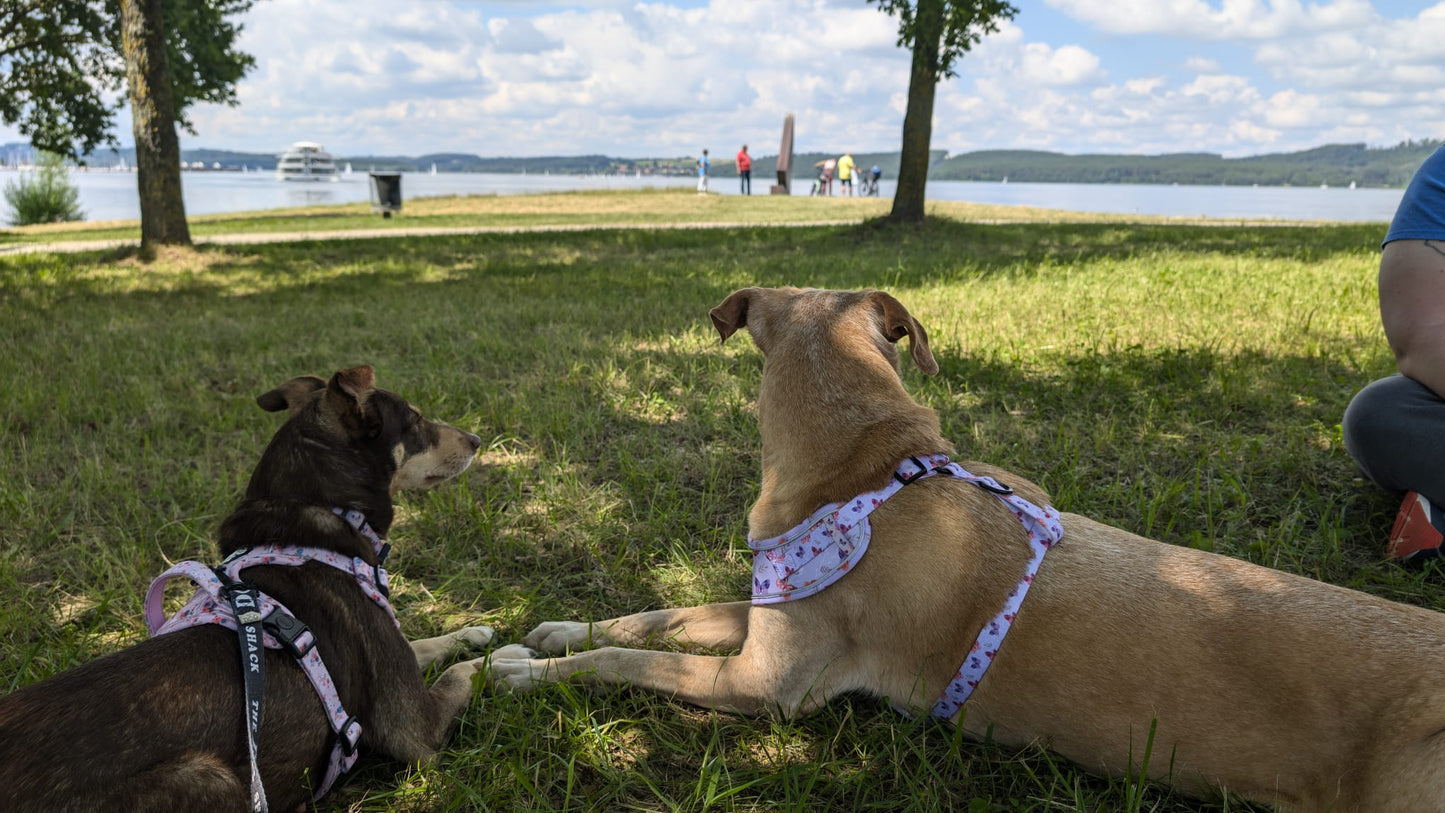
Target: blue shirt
1421,215
702,165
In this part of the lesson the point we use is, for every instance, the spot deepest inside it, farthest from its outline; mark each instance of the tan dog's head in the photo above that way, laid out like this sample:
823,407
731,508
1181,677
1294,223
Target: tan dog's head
792,319
832,411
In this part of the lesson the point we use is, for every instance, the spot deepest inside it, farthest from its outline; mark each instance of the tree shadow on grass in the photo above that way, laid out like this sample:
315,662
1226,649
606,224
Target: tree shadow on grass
627,452
463,321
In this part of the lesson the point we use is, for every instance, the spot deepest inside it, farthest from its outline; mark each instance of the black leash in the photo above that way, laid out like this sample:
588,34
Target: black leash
246,604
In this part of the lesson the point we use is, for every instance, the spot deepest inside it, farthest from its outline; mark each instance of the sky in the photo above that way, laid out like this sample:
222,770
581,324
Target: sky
651,79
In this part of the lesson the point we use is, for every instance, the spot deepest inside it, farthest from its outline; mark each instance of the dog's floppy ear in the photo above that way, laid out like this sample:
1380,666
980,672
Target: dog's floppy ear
349,391
897,323
732,313
292,395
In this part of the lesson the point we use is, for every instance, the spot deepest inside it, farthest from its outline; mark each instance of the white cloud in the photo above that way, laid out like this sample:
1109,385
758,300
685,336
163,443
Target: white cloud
1067,65
649,77
1231,19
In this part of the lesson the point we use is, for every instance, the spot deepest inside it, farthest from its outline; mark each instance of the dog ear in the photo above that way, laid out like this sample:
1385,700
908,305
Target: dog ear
350,390
732,313
897,323
292,395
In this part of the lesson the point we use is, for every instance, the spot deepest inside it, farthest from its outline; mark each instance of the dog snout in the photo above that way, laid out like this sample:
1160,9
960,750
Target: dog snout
475,440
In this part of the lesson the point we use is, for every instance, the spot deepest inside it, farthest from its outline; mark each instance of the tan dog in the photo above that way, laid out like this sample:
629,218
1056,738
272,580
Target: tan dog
1282,689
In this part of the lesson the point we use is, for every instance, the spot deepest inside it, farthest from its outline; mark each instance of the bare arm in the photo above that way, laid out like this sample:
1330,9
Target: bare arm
1412,308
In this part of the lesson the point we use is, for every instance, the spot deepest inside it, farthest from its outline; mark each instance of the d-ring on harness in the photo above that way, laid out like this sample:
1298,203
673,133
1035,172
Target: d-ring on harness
259,620
822,548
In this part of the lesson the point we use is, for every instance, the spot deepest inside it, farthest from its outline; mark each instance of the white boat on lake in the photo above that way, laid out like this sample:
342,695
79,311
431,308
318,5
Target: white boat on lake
306,161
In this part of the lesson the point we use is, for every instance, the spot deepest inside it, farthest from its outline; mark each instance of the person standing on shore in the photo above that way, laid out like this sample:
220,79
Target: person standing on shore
827,177
702,168
845,175
745,171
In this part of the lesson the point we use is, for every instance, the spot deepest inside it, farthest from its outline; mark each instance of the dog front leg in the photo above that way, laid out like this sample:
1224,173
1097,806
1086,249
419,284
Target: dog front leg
744,684
431,650
711,626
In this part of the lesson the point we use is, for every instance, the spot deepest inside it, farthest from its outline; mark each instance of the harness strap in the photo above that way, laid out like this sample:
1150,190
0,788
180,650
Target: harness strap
821,549
261,621
1044,530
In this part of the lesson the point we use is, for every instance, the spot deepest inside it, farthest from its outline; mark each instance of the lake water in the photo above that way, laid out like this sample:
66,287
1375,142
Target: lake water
111,196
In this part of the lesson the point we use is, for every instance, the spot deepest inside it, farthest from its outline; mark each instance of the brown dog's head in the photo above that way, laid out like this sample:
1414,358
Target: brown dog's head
781,317
349,444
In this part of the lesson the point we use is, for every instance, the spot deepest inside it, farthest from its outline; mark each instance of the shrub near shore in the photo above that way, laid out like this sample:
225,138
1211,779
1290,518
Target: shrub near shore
1182,382
45,195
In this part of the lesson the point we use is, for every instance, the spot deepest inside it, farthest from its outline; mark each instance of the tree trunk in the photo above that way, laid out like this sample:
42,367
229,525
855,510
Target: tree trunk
157,150
918,120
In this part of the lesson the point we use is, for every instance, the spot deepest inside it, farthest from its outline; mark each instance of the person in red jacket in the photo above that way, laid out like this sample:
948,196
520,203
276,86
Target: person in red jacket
745,171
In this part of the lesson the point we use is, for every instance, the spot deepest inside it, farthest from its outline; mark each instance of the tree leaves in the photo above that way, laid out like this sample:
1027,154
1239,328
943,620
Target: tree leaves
61,66
965,24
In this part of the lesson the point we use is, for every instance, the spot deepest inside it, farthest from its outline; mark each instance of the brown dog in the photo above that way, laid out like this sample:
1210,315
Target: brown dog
159,726
1279,688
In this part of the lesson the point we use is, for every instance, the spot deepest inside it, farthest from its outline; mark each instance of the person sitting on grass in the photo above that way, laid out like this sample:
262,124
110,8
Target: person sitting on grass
1394,428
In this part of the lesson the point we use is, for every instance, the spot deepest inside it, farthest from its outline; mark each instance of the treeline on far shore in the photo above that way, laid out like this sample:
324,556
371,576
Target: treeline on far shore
1332,164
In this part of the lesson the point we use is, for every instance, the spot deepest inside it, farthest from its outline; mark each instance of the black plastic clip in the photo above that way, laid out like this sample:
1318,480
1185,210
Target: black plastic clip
350,736
996,487
922,472
290,632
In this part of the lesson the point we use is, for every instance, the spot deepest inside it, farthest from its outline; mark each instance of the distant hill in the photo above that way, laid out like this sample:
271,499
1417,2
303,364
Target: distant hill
1332,164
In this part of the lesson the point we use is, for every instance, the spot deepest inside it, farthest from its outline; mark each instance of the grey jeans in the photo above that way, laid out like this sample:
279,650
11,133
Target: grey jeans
1395,430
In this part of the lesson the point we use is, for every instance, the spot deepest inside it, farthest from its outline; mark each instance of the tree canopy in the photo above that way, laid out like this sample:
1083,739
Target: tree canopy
938,32
61,65
964,24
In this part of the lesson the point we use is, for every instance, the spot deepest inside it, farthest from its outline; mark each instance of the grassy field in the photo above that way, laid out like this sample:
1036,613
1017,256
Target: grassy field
1183,382
675,206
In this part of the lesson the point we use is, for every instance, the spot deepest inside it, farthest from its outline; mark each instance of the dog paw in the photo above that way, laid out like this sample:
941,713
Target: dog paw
561,637
514,675
473,637
512,652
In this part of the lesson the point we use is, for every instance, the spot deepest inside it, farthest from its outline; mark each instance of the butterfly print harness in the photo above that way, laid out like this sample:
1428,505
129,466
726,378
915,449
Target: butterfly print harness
822,548
261,621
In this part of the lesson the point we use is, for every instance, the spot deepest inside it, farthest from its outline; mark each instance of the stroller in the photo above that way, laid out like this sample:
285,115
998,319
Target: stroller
868,184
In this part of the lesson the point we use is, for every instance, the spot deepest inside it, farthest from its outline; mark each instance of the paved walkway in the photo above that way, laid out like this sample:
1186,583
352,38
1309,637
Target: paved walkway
75,246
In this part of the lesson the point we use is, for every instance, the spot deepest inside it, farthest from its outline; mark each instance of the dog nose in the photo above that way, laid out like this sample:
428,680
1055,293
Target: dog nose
475,441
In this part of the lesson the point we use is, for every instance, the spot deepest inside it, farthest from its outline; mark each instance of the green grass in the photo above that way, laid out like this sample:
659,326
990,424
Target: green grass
649,207
1182,382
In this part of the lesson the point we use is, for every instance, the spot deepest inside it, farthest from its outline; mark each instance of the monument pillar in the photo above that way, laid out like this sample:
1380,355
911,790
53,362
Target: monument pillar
785,160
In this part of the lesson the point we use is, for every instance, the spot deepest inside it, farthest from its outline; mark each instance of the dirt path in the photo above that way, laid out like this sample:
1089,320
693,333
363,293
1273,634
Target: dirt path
75,246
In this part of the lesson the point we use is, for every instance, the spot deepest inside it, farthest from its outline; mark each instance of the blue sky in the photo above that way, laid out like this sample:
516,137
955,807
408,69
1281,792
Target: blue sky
628,78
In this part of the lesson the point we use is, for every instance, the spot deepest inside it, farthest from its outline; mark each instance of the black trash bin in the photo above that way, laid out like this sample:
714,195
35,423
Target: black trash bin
386,192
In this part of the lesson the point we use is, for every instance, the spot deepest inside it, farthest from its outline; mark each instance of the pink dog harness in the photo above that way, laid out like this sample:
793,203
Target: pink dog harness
822,548
223,599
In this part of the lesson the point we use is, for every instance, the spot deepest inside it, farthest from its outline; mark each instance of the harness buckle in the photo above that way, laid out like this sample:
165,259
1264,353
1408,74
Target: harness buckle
995,487
911,478
291,633
349,736
378,573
